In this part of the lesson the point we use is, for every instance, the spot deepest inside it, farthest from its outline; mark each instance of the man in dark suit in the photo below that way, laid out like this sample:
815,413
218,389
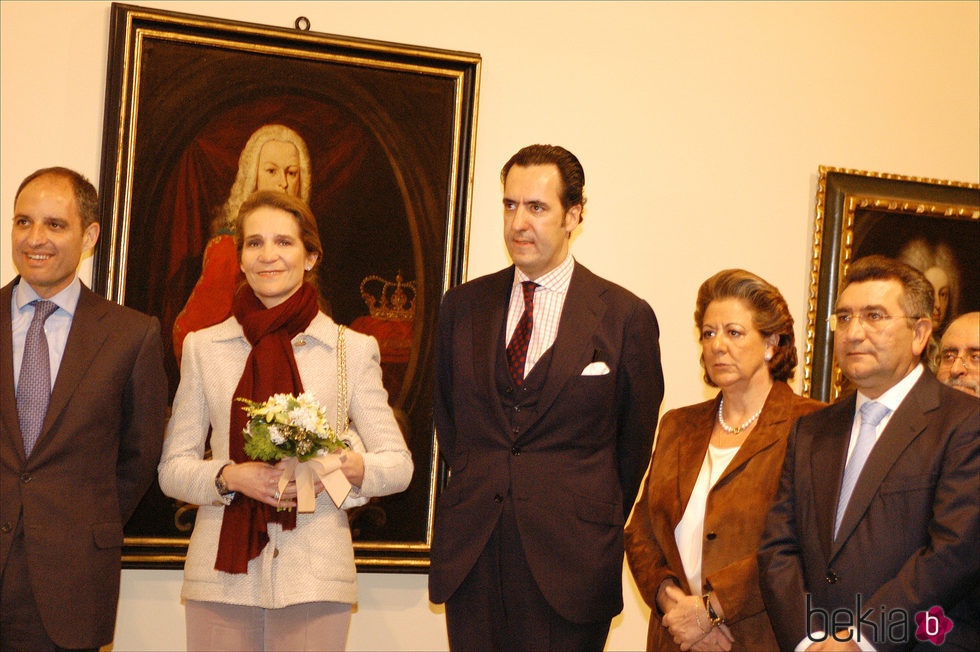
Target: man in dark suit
84,409
548,388
871,542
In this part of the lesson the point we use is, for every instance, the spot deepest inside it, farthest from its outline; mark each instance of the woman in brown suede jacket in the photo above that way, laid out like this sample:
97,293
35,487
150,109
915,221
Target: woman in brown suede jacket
693,536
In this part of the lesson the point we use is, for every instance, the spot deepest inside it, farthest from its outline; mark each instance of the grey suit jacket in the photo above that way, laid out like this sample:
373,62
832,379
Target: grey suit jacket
909,537
575,471
94,459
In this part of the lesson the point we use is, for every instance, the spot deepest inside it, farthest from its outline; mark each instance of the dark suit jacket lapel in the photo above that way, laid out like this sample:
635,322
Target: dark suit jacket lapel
85,340
11,426
905,425
580,315
828,453
488,321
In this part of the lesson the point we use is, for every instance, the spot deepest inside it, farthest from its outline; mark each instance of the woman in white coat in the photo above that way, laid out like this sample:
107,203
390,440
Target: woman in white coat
257,576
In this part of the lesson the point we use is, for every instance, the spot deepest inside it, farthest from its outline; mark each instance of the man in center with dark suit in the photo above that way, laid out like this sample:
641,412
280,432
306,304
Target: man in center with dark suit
872,540
548,389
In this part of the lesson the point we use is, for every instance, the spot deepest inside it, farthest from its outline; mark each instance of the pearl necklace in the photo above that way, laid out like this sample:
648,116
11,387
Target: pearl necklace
738,429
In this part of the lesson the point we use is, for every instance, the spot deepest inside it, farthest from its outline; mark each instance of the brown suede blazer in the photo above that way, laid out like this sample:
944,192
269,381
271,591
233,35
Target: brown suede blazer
734,516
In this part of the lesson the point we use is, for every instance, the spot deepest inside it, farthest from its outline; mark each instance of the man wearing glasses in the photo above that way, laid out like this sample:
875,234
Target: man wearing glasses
871,542
959,354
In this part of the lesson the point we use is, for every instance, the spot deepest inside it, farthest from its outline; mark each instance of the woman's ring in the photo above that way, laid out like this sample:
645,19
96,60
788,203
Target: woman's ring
277,494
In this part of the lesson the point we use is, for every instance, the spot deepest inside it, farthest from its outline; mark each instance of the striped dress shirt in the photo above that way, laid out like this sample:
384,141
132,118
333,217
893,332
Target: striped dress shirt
549,299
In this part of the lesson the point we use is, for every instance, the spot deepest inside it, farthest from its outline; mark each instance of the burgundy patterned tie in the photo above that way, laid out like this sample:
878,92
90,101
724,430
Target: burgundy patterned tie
517,349
34,382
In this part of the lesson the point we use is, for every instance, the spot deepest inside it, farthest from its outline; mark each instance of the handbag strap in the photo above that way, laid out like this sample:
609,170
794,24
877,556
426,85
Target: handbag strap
342,421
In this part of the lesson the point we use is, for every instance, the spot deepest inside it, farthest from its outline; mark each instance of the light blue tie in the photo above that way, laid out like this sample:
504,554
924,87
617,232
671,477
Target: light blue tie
871,415
34,382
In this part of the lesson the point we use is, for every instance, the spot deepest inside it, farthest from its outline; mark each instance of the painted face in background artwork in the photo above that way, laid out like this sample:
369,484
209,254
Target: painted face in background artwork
279,168
733,351
536,228
273,256
48,237
959,354
940,283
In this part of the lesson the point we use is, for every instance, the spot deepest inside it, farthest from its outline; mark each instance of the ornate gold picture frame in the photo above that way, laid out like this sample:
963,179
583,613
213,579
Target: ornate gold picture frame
390,132
926,222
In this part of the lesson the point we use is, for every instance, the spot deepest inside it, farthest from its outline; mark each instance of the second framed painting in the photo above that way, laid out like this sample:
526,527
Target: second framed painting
930,224
378,138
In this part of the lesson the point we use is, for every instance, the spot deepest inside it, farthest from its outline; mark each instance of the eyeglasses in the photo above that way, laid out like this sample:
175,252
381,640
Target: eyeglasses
872,320
970,359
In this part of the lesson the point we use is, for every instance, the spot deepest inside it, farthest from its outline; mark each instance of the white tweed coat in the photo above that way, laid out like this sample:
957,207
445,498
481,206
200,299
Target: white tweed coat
315,561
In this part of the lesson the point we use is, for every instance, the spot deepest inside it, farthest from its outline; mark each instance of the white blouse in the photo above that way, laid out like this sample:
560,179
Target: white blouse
689,533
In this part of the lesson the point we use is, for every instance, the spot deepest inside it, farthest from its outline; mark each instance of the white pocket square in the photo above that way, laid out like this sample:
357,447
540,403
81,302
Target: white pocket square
596,369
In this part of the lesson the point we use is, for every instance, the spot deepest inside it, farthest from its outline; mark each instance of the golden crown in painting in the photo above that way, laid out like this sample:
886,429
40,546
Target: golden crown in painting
389,300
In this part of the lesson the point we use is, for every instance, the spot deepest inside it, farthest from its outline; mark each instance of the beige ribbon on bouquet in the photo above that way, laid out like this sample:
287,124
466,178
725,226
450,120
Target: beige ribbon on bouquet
327,468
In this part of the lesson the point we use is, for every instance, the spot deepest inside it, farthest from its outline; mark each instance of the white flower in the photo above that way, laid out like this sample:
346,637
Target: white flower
307,400
278,402
276,436
305,418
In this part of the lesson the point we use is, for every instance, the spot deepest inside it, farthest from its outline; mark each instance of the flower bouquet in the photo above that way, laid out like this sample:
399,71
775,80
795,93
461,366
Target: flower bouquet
295,429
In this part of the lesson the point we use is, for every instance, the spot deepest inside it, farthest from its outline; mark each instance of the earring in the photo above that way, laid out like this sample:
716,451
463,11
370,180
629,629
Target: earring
768,357
309,268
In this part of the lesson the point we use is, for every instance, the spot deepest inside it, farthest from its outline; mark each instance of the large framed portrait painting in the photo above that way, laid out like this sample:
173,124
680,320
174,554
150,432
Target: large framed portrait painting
376,137
931,224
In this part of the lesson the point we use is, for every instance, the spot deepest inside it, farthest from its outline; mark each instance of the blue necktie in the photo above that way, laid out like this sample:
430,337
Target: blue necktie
34,383
871,415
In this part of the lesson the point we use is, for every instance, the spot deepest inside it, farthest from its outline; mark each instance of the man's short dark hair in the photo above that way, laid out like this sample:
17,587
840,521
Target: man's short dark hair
572,191
918,297
86,197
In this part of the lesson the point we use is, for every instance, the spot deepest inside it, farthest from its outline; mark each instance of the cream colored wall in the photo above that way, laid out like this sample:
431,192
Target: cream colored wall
700,126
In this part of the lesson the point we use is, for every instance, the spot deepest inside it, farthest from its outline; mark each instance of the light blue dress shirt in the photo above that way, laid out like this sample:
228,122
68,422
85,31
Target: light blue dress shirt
56,327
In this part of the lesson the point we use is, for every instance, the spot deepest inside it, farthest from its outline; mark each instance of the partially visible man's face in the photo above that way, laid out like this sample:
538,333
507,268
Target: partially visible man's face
536,228
875,354
48,238
959,354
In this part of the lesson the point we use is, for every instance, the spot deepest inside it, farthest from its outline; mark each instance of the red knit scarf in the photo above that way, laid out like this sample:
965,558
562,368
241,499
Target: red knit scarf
270,369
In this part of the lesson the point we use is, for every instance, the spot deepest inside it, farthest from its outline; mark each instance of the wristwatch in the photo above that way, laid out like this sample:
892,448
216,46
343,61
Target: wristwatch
221,484
715,618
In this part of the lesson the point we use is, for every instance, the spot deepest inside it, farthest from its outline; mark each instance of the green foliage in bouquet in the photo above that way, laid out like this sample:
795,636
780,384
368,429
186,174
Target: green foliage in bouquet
287,426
